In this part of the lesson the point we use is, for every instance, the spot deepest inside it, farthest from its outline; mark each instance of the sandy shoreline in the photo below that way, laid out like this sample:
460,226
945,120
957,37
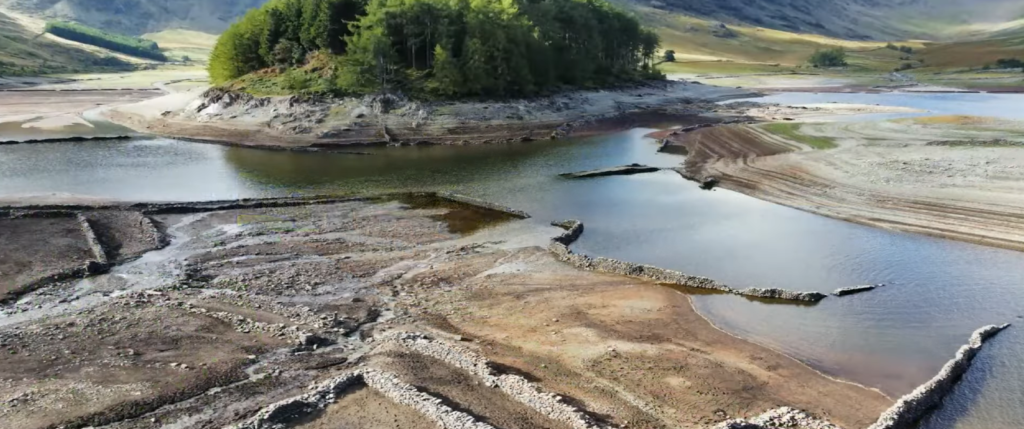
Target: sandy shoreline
269,300
883,174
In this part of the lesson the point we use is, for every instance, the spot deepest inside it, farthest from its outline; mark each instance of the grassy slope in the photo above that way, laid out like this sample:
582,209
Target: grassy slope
24,51
178,43
754,50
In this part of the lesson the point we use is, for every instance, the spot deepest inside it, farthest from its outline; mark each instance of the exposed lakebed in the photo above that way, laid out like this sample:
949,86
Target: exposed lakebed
893,338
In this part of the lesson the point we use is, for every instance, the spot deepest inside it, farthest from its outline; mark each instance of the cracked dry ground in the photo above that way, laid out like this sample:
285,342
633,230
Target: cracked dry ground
249,307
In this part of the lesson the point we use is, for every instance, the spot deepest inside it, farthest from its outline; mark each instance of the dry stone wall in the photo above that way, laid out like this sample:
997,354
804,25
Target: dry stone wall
283,414
515,386
914,406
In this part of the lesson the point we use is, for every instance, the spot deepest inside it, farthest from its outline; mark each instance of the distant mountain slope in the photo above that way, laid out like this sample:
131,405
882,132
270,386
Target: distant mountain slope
25,50
139,16
850,19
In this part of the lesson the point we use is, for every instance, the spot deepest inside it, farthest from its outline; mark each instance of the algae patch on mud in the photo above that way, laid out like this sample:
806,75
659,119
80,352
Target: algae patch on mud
791,131
461,218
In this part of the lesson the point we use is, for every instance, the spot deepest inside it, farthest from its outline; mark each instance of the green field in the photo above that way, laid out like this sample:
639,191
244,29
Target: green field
792,132
25,52
179,44
129,45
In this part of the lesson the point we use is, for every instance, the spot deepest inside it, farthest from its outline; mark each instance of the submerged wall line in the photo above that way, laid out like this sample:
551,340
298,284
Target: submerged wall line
574,229
912,407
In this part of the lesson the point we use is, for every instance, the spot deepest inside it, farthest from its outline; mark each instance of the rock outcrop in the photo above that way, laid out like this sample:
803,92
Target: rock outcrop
484,204
515,386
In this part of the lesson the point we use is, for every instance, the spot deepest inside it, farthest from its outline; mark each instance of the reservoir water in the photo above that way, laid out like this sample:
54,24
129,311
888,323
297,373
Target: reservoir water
893,339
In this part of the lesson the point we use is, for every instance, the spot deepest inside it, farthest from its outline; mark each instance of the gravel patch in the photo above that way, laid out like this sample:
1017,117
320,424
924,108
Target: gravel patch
783,417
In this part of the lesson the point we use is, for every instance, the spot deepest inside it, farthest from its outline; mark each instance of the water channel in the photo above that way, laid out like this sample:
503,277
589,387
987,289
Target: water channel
892,339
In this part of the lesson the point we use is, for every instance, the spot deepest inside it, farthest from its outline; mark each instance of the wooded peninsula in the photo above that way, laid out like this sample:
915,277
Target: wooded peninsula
433,48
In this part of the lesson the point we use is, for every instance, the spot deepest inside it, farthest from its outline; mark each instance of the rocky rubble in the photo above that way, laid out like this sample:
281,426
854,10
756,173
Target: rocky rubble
515,386
783,417
282,414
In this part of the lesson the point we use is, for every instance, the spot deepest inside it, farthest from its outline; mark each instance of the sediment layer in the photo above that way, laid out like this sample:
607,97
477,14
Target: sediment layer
284,122
880,176
912,407
124,237
574,228
259,313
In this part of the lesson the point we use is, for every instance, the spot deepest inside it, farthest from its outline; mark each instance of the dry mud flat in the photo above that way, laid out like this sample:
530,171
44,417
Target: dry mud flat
944,176
295,123
38,114
250,305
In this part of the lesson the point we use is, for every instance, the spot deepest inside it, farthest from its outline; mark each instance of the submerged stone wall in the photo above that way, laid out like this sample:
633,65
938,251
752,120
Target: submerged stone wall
451,196
90,237
574,228
911,408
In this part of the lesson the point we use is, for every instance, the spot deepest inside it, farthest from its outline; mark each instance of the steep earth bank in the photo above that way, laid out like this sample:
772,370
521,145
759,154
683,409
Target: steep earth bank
299,123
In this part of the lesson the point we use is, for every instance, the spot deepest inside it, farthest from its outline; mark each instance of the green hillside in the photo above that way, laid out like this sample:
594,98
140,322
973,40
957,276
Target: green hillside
28,53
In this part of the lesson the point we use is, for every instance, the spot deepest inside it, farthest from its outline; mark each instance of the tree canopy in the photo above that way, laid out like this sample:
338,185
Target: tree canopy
829,58
442,48
136,46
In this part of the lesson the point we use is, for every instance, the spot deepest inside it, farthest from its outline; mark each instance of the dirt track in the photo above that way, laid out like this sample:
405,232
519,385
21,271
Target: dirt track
257,303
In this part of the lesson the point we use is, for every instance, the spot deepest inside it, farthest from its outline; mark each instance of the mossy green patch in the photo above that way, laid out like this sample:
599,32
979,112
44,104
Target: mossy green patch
792,132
